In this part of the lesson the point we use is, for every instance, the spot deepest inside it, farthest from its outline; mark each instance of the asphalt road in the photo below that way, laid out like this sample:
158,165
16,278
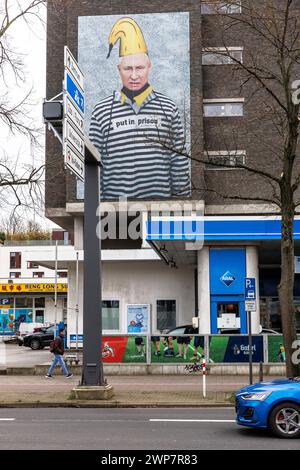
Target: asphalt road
131,429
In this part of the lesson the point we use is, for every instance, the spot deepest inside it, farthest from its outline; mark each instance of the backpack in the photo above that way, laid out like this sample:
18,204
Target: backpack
53,346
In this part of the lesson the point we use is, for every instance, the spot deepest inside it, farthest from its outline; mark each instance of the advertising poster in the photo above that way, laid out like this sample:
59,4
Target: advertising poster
176,350
124,349
137,89
235,349
10,319
276,349
138,318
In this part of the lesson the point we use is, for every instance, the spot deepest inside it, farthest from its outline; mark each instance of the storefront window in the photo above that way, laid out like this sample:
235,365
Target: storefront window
110,315
39,302
40,316
270,316
165,314
24,302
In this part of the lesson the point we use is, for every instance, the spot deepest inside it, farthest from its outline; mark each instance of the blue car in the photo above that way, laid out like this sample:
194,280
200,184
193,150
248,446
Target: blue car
274,405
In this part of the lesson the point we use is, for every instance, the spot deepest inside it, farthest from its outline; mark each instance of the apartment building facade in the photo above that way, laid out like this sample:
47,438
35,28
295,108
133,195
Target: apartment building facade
27,290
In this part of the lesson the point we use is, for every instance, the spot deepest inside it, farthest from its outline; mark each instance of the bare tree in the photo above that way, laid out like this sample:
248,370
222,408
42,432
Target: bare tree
269,77
20,184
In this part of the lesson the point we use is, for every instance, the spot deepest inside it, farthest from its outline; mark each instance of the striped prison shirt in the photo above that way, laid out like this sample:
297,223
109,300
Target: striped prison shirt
139,146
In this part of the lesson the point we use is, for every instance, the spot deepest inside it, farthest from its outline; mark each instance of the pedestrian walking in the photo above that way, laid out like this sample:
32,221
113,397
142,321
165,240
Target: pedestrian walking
57,348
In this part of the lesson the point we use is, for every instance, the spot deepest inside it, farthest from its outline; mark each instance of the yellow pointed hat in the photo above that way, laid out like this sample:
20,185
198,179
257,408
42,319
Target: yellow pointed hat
130,35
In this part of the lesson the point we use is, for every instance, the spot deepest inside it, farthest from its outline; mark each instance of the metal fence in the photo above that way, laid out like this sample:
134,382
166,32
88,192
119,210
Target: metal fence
185,349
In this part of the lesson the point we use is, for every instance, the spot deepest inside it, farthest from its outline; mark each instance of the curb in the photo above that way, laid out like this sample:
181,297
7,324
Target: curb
115,404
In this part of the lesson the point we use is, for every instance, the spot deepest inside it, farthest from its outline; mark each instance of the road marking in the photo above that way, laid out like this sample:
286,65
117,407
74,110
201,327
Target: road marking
7,419
194,420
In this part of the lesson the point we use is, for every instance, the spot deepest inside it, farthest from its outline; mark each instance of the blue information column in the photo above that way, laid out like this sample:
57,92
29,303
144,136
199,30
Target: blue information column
250,306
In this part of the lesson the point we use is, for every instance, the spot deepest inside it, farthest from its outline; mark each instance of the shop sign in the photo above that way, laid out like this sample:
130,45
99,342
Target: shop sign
39,287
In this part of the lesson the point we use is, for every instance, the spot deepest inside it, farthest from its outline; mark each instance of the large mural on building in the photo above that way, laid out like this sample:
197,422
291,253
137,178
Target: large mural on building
137,82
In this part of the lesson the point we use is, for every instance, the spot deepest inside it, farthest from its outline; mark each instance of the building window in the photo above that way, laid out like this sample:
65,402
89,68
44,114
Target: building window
223,108
32,265
24,302
38,274
233,158
14,275
217,7
40,316
111,315
39,302
221,55
15,260
165,314
62,273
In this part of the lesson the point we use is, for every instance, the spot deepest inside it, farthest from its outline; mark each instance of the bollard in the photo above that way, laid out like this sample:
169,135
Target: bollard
261,371
203,377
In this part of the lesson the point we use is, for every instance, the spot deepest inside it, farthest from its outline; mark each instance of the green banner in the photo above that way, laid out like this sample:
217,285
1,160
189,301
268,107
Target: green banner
276,349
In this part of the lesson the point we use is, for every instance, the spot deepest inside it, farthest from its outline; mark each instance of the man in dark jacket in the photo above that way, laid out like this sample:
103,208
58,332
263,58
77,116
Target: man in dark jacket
58,349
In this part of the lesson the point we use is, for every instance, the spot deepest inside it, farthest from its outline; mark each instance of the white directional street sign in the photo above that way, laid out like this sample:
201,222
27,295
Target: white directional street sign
74,138
73,115
73,122
74,162
73,67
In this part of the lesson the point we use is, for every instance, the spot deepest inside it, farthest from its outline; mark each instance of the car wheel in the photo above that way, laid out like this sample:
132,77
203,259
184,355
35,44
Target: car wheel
285,420
35,344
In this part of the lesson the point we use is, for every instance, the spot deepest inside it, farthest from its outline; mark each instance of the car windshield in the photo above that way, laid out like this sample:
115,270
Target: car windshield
50,329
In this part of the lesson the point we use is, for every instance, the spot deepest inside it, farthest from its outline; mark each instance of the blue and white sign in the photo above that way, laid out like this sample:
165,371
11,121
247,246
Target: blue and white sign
250,288
74,104
228,278
74,92
250,294
73,338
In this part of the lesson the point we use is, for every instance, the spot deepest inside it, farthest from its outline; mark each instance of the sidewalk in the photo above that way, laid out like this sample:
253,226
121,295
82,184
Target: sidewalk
134,391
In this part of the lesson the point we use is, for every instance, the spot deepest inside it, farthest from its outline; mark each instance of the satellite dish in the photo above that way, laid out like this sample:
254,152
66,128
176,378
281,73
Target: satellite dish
260,329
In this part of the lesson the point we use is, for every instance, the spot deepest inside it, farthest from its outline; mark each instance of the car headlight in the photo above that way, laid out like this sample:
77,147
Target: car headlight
258,396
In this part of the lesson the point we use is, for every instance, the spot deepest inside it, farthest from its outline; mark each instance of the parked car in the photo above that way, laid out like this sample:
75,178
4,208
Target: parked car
28,328
189,330
271,405
264,331
40,339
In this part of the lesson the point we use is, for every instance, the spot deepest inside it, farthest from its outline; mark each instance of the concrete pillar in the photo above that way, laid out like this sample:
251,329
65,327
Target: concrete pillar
204,291
252,270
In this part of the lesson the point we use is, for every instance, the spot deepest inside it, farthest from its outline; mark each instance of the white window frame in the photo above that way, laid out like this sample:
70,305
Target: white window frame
221,52
225,153
225,101
221,10
112,332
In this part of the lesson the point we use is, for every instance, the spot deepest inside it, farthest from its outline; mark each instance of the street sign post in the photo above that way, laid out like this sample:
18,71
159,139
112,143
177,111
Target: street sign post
66,119
250,306
73,120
